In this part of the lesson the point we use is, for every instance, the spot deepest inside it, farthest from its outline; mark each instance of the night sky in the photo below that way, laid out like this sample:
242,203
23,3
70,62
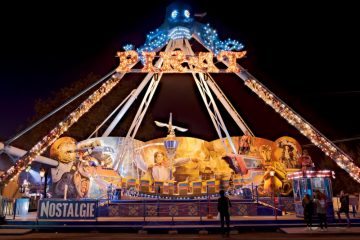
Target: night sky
306,54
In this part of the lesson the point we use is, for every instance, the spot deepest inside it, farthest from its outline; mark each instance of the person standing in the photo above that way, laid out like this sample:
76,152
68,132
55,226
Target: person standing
224,206
320,201
308,210
344,207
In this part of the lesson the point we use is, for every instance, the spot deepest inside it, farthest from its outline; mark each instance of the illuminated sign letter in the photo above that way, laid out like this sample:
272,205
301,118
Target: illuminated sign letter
231,57
148,65
126,60
173,61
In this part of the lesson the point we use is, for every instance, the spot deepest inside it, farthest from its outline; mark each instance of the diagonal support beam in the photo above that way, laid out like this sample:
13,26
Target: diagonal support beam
316,137
8,142
305,128
293,118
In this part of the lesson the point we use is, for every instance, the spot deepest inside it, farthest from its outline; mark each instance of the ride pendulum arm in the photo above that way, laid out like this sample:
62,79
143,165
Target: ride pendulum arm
134,96
211,105
144,106
213,112
227,105
62,127
317,138
111,114
127,147
222,97
225,101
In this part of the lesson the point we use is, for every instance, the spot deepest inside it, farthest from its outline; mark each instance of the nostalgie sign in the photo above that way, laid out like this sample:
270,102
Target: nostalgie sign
67,209
176,61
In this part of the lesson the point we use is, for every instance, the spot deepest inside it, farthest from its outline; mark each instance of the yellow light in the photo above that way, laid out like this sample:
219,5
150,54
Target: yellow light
173,61
231,58
148,66
126,59
203,63
315,137
43,144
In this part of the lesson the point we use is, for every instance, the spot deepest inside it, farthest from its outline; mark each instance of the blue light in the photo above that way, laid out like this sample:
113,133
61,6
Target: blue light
179,33
180,25
155,40
187,13
211,40
128,47
174,14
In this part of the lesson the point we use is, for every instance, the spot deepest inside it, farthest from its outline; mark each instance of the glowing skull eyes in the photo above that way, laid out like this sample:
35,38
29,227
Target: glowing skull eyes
174,14
186,13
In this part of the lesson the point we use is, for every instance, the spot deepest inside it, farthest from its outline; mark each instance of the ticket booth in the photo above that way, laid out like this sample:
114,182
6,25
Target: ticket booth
308,182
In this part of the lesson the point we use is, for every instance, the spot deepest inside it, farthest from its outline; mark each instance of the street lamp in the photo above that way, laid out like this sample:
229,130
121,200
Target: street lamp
272,175
170,142
171,146
42,174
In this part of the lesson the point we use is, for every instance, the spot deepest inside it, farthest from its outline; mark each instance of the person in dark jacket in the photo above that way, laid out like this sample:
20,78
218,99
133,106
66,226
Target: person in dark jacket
344,207
224,206
308,210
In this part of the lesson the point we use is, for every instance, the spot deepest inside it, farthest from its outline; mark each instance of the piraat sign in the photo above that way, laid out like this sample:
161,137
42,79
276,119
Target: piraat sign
67,209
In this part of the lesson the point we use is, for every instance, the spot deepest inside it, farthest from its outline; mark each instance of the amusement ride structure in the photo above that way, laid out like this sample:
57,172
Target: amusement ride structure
174,37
